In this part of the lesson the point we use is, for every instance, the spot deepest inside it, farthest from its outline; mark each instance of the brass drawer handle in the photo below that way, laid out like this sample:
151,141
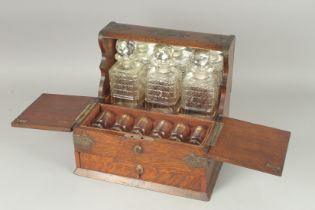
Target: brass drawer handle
138,149
139,171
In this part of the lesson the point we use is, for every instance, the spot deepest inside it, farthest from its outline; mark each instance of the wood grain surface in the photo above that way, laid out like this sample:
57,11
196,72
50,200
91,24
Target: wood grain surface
142,184
166,36
52,112
250,145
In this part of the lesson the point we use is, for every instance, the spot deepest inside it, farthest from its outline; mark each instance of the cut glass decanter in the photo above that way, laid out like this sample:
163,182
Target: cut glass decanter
200,86
163,82
126,78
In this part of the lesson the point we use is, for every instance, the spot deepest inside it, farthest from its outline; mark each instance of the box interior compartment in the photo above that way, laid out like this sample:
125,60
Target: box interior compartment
192,40
155,117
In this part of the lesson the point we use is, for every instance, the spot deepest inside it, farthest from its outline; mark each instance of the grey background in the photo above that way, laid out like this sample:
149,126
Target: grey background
51,46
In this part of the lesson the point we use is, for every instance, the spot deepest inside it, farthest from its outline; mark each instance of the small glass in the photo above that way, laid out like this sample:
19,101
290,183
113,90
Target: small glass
198,135
98,122
123,123
105,119
142,126
108,119
180,132
162,129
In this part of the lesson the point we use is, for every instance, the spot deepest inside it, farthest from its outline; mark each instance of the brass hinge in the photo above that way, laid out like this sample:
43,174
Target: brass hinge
194,161
83,141
83,114
213,138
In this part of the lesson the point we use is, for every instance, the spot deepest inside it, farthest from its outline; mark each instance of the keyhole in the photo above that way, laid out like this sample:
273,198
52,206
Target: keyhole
139,170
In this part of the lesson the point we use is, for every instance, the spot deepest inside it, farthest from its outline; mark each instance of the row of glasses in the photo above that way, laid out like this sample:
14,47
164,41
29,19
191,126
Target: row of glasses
145,126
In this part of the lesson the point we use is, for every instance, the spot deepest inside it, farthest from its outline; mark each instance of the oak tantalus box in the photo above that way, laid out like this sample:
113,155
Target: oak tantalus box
159,164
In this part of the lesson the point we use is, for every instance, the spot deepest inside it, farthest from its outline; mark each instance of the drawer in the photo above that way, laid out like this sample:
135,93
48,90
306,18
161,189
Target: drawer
141,170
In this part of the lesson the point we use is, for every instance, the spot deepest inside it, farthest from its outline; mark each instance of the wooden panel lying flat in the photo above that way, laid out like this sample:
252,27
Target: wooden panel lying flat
252,146
53,112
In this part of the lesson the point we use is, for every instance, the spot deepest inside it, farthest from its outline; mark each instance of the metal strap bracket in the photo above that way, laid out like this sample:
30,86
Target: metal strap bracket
83,114
214,136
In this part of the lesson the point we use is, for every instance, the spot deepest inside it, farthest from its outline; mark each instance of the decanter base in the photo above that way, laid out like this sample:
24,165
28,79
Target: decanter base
127,103
195,113
163,108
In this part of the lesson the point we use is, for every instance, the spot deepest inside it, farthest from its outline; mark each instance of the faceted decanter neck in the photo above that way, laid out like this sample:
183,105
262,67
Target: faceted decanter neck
215,57
141,55
200,73
178,52
141,47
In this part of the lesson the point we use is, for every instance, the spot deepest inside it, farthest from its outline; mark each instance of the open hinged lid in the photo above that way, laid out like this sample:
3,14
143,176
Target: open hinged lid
53,112
239,142
251,145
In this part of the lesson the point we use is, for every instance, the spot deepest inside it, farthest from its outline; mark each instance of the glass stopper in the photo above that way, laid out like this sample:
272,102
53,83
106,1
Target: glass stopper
162,54
200,58
125,47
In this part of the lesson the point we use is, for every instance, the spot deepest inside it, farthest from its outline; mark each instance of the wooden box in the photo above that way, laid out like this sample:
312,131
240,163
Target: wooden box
162,165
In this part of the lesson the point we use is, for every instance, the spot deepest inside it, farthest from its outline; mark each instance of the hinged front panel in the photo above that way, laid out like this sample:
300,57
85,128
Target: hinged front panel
53,112
250,145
